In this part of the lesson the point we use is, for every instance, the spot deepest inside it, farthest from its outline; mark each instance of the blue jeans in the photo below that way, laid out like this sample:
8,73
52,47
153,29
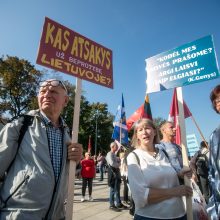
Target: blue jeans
138,217
114,197
101,171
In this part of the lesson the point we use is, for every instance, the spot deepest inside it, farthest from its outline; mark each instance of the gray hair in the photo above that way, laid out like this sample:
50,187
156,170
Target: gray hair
113,144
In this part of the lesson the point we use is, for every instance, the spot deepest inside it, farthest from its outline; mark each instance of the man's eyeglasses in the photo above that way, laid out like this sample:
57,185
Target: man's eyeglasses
53,83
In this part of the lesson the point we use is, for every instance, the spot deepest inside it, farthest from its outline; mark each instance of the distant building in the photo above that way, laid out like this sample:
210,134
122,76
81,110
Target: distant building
192,144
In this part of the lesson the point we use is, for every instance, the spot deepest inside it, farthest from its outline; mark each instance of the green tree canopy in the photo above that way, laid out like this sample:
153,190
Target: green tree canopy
90,116
19,82
18,85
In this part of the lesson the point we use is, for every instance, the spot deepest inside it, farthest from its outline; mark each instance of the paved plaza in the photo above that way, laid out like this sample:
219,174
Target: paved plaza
98,209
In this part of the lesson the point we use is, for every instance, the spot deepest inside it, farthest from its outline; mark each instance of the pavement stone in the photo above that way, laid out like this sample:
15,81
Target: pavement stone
98,209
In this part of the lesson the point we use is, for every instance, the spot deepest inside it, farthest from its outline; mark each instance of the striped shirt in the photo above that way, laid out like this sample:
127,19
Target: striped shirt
55,140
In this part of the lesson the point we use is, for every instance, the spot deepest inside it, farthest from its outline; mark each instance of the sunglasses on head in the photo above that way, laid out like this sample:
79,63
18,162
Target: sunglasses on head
53,83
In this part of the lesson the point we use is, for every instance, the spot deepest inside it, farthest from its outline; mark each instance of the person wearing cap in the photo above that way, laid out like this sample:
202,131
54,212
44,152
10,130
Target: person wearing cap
36,183
213,206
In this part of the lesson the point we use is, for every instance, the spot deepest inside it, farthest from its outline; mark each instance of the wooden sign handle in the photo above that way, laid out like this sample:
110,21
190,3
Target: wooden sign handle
72,168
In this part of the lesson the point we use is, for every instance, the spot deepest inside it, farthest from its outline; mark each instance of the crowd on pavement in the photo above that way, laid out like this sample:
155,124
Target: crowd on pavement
35,151
153,174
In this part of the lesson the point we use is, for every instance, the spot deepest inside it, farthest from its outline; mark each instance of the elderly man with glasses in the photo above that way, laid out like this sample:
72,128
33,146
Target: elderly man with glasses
35,186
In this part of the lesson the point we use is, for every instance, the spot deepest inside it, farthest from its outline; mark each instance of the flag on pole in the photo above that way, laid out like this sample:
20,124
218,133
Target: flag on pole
174,116
144,111
89,144
120,132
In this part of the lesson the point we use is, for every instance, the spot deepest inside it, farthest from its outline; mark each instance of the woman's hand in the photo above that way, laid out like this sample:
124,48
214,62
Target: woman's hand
158,195
183,190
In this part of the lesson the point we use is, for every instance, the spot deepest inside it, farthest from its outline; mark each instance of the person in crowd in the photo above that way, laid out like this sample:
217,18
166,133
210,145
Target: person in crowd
199,164
114,178
213,206
101,164
153,181
78,171
124,177
88,172
131,201
173,150
174,154
35,186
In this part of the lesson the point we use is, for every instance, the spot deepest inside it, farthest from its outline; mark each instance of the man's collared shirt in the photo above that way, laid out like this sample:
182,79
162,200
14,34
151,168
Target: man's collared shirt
55,139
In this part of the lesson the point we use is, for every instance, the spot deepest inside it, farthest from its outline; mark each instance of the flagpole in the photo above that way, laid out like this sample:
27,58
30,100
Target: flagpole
89,144
187,181
120,131
200,132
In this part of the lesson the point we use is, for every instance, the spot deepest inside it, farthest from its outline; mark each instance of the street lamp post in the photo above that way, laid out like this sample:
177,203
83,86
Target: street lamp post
96,119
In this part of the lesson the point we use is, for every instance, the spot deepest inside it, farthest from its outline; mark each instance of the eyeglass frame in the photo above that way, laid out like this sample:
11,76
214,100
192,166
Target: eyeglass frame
48,83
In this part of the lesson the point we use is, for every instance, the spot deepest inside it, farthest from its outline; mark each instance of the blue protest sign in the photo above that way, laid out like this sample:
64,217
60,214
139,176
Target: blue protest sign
190,63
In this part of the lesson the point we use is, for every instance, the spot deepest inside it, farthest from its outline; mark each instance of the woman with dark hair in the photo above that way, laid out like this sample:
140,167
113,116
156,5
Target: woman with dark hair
153,181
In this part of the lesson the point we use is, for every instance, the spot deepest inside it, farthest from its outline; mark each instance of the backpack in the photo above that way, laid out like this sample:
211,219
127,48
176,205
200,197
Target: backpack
28,120
202,164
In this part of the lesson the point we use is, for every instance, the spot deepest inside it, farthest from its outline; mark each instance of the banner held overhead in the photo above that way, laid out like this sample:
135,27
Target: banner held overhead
67,51
190,63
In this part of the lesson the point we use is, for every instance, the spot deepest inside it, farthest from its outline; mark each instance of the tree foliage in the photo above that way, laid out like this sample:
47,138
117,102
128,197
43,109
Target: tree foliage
90,116
19,81
101,134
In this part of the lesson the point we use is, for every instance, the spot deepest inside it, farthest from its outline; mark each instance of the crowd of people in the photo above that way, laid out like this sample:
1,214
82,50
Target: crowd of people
153,173
150,173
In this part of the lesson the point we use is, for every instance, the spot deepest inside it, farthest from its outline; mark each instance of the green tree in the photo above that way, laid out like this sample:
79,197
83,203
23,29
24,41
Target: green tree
18,85
101,127
90,115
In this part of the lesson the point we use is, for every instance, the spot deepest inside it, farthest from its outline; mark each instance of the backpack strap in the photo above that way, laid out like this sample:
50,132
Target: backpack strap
137,158
164,151
166,154
28,120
